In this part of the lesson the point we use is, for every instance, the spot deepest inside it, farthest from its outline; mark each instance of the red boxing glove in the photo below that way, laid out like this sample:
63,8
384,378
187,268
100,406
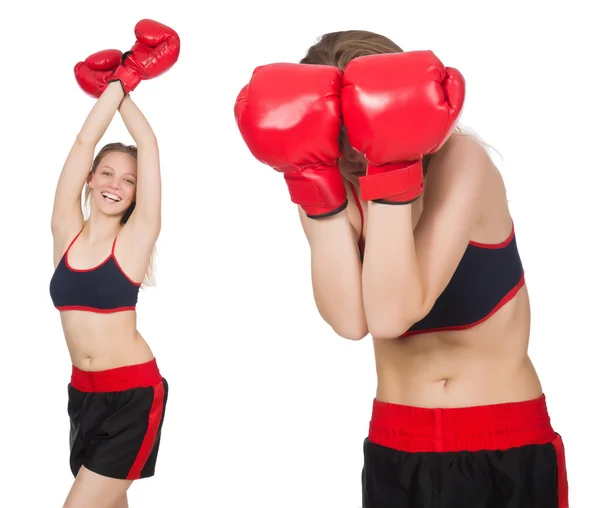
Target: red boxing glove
155,52
398,107
289,115
94,74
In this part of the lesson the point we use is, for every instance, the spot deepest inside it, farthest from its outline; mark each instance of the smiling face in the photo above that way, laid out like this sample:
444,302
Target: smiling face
112,184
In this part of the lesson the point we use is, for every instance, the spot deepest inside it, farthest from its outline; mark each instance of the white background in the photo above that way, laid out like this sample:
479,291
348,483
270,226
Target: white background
267,406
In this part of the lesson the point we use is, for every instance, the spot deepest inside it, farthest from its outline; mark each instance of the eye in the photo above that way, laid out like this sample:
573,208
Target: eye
106,173
130,181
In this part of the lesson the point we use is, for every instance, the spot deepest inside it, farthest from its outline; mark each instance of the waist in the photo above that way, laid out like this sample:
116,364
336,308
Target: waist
81,327
492,427
97,341
479,381
116,379
481,365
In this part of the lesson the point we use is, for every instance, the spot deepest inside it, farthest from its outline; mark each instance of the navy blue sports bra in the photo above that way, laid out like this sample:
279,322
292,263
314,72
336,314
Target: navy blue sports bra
487,277
104,288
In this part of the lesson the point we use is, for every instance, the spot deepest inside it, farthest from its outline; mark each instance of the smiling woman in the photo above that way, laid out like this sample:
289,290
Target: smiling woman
114,175
114,178
117,395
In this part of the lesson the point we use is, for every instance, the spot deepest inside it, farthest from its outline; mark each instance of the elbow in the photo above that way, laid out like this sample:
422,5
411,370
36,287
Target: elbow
57,223
351,333
353,327
147,141
387,329
354,333
390,320
54,223
392,325
86,140
55,228
347,321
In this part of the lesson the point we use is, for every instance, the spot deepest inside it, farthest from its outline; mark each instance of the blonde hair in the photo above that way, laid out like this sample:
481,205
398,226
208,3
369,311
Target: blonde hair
150,275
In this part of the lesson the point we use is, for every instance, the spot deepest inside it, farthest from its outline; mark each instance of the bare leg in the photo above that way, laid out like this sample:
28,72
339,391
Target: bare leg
91,490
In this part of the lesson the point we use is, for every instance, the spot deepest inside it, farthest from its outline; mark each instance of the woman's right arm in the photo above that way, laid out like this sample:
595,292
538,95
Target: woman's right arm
67,217
336,273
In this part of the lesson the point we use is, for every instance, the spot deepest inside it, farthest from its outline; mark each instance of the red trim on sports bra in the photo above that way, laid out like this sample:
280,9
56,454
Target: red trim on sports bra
499,245
111,255
93,309
120,267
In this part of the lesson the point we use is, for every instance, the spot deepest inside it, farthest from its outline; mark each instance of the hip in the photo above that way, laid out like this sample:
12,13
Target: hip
122,408
460,393
477,381
508,454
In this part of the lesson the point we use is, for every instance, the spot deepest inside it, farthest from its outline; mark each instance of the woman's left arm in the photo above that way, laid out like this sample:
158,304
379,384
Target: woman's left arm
146,218
404,272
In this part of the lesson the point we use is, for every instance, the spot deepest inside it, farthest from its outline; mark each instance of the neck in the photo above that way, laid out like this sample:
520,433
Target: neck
99,227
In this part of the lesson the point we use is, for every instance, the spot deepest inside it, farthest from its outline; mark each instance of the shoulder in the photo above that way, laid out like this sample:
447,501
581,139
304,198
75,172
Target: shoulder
463,163
463,154
464,181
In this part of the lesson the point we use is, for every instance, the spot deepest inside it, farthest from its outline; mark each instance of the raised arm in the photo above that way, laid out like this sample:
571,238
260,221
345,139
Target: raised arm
67,217
290,118
336,273
145,221
404,273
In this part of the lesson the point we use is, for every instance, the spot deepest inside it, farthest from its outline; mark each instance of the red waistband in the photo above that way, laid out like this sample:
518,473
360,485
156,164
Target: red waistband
116,380
493,427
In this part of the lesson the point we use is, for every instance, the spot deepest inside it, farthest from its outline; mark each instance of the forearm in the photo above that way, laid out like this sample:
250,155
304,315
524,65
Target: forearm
136,123
392,287
101,115
336,274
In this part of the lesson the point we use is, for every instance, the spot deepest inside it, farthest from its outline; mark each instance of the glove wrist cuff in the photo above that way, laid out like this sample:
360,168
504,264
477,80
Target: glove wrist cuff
128,80
397,183
319,191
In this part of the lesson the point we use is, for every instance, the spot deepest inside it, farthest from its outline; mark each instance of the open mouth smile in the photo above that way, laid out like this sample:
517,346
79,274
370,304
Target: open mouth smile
110,198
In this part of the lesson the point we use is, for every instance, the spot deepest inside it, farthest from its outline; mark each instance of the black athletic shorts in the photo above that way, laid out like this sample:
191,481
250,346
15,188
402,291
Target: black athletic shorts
497,456
116,420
